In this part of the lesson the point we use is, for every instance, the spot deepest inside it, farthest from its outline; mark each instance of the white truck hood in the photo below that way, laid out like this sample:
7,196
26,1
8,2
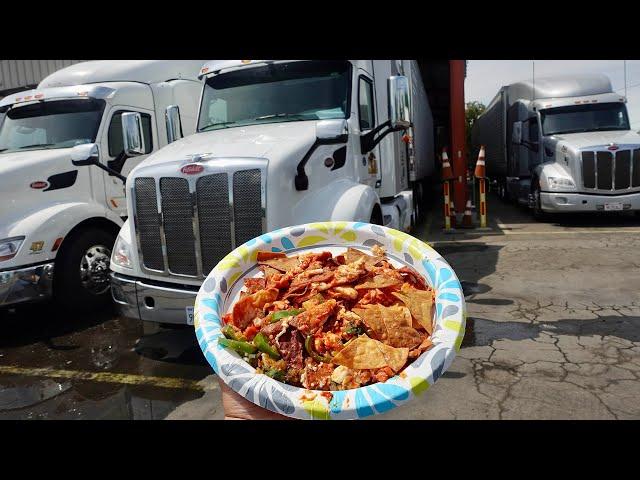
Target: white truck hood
255,141
19,169
592,139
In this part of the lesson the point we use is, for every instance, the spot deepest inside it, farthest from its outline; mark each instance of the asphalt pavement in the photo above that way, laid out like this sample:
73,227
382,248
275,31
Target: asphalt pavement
553,332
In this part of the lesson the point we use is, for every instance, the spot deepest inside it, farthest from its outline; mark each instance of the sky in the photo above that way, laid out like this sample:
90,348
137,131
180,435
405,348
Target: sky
485,77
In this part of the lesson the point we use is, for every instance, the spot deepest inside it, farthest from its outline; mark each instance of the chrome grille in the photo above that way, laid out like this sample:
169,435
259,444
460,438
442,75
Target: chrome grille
177,219
202,219
611,170
247,205
148,223
214,218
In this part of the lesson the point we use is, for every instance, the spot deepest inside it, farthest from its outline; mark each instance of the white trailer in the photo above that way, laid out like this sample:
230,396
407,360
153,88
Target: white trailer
562,144
58,222
279,142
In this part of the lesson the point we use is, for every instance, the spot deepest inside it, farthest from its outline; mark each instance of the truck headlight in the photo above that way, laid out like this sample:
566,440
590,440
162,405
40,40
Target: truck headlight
560,183
9,247
121,255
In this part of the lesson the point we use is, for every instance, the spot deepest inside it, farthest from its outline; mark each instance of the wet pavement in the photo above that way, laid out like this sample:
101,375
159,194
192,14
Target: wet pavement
553,328
553,331
98,366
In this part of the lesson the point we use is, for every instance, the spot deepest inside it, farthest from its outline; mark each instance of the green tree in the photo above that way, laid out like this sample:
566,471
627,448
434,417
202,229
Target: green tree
472,111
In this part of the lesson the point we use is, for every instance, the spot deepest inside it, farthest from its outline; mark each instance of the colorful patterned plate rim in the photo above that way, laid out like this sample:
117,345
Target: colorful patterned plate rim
217,294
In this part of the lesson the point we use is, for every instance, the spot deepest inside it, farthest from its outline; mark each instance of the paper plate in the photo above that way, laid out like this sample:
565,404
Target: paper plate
221,288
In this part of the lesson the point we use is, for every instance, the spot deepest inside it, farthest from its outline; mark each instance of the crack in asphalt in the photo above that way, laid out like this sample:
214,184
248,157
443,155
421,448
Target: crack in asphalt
569,337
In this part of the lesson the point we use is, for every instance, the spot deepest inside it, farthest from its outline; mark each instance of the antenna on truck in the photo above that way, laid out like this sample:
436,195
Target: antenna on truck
625,79
533,66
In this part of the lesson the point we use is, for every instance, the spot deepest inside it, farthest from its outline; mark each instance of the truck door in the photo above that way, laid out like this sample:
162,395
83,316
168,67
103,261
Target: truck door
368,162
113,152
534,147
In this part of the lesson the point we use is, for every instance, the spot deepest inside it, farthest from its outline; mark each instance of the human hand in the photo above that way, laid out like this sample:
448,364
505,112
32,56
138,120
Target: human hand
236,407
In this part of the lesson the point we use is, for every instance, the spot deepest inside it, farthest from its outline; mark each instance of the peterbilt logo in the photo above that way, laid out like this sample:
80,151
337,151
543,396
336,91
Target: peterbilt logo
613,147
192,169
39,185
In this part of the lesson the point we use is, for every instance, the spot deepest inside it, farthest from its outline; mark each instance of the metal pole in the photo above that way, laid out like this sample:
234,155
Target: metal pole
447,213
483,203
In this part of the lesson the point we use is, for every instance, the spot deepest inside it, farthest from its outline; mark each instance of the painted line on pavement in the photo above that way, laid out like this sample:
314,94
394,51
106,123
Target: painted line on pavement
105,377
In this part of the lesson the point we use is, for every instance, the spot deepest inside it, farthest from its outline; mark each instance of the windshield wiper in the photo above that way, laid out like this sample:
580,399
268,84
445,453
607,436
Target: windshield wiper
36,145
221,124
278,115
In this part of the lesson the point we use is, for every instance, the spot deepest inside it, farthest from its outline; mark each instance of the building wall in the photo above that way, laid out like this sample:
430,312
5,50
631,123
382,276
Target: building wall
18,74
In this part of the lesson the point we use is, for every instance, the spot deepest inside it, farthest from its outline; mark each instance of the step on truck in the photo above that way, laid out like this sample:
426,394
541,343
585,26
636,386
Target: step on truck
58,221
561,144
278,143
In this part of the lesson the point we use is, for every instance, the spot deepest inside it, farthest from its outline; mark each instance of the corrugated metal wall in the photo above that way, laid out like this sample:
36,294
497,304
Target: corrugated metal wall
20,73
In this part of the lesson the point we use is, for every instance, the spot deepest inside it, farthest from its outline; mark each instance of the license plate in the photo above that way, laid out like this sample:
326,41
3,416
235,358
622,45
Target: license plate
612,206
189,311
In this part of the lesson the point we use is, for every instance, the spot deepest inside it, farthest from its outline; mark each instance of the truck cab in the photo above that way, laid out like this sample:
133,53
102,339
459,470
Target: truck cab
59,222
278,143
569,146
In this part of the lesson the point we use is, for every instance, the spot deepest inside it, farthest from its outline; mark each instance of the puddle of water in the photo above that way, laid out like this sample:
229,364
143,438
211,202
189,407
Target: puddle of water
19,393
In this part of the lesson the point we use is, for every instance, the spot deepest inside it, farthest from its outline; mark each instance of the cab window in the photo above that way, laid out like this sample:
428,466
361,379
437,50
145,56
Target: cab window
116,143
366,103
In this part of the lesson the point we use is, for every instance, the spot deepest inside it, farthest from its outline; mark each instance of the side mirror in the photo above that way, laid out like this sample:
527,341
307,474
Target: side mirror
174,126
399,108
86,154
132,136
332,130
516,134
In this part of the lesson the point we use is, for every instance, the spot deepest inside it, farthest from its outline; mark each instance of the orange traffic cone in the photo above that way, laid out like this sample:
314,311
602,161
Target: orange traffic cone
447,171
480,166
467,220
452,214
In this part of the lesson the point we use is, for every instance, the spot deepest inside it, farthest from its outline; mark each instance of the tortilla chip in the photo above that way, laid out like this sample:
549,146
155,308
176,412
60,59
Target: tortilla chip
372,319
364,353
250,306
311,320
263,255
391,325
282,264
262,297
353,254
379,281
420,303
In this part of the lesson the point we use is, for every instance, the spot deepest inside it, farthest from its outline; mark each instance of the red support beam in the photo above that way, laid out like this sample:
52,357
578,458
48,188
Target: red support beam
458,153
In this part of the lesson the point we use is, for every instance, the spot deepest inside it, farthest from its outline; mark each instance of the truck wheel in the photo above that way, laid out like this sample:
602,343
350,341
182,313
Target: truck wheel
376,216
81,273
538,213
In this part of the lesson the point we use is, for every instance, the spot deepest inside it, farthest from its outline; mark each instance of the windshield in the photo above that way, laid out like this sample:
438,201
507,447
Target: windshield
53,124
584,118
293,91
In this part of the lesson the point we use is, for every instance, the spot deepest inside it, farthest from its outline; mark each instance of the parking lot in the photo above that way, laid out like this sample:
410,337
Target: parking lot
553,332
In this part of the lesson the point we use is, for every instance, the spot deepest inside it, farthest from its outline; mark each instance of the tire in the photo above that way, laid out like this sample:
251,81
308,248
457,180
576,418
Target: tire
376,216
81,273
538,213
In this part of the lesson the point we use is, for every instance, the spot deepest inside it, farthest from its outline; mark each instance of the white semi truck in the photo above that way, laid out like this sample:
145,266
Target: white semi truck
279,142
562,144
58,222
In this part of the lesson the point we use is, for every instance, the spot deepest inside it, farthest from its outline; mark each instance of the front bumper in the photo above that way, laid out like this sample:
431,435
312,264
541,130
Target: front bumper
26,284
152,301
579,202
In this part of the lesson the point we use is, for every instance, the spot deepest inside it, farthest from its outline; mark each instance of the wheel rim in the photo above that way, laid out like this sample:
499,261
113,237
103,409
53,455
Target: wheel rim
94,269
